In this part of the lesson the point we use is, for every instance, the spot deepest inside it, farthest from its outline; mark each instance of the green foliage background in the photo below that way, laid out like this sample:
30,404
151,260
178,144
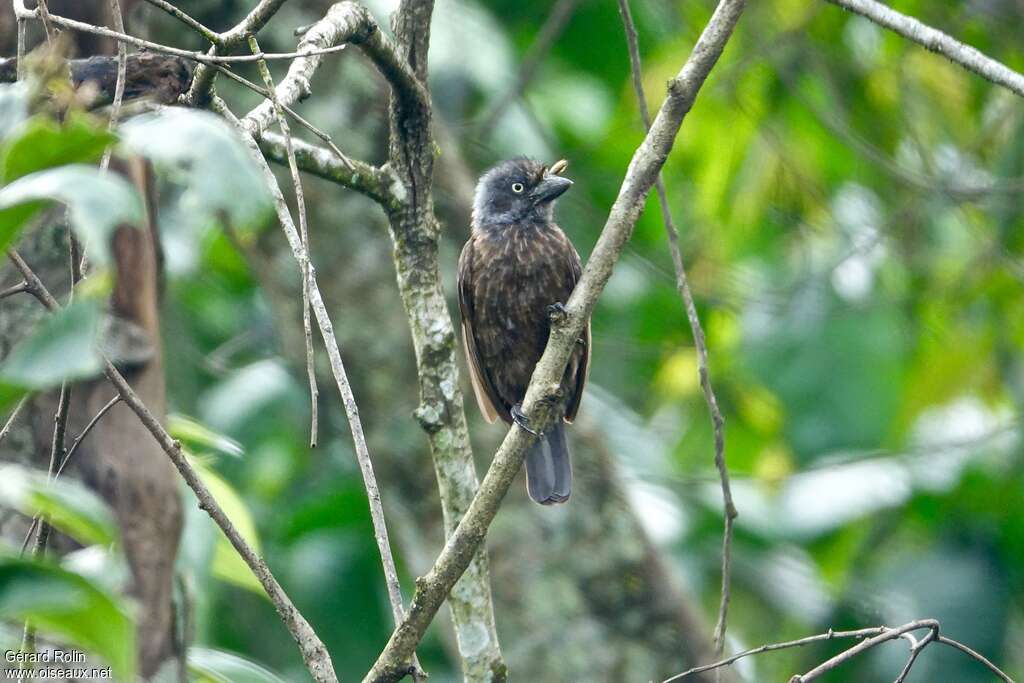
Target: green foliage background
850,216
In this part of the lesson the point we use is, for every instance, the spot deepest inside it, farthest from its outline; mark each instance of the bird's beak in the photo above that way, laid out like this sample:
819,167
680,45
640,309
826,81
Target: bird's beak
550,188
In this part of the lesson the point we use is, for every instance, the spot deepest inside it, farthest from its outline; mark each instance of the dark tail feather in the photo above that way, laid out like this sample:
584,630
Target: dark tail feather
548,468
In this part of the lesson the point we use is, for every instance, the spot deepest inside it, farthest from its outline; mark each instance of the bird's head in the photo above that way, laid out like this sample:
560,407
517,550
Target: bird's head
518,191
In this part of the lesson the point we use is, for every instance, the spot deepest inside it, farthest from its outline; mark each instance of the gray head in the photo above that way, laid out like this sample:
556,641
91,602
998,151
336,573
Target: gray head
518,191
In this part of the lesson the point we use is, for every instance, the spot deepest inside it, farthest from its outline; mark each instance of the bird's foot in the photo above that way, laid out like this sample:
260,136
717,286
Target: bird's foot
556,311
523,421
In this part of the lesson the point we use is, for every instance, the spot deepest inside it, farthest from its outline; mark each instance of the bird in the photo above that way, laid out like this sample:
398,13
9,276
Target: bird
516,269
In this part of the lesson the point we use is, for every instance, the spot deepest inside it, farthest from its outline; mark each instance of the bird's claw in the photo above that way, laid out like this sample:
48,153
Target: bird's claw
523,421
557,310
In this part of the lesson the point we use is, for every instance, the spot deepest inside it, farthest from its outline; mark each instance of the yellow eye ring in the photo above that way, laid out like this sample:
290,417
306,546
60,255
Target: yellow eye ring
517,188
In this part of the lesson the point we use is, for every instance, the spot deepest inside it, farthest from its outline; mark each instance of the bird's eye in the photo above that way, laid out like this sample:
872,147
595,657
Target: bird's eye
517,188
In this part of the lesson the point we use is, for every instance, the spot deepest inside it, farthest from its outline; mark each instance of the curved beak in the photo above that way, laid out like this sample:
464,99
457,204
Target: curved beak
550,188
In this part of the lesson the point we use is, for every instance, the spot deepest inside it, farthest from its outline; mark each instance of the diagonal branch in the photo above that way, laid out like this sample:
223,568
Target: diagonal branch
379,184
683,285
298,246
345,22
415,234
869,637
314,654
542,394
932,39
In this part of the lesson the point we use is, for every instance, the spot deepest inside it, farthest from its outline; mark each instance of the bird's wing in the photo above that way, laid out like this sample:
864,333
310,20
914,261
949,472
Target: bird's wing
486,396
583,370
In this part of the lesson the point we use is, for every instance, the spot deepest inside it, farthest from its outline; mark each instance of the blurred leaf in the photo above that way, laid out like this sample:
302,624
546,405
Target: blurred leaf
67,606
13,106
226,667
198,436
43,143
61,347
97,203
67,504
227,564
204,155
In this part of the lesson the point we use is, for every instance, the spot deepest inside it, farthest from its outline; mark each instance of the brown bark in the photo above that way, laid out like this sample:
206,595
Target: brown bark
118,458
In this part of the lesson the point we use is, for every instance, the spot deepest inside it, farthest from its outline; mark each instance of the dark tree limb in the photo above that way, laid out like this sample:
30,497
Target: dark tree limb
314,654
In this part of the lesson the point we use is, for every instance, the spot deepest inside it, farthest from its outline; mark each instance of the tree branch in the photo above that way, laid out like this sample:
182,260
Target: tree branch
441,413
345,22
314,654
432,589
303,256
869,637
938,42
316,302
380,184
683,285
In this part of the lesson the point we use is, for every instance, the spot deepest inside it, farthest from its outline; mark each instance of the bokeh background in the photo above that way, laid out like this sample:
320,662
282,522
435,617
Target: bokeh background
850,215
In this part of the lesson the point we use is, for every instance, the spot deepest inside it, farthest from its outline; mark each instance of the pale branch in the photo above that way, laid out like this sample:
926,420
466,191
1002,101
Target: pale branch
300,201
344,23
13,416
314,654
544,388
415,234
869,637
204,59
202,82
828,635
19,288
683,285
316,302
115,114
380,184
932,39
976,656
549,32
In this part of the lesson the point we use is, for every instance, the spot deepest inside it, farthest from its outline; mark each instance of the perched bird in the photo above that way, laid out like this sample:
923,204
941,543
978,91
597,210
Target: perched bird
517,266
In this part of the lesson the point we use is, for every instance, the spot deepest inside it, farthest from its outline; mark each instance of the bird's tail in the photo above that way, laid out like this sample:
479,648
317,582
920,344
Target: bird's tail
548,467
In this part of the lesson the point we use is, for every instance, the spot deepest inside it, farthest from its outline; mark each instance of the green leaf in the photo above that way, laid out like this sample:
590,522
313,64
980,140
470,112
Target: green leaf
97,203
70,608
43,143
204,154
226,667
198,436
227,564
68,505
62,347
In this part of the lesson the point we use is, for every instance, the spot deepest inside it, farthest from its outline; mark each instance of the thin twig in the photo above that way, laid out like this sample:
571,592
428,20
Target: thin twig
863,646
85,432
549,32
932,39
340,376
186,19
201,57
869,637
314,654
828,635
304,266
302,121
976,656
683,285
67,458
19,288
12,417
